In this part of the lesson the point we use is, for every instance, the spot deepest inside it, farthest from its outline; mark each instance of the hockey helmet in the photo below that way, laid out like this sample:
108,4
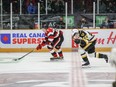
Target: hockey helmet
75,31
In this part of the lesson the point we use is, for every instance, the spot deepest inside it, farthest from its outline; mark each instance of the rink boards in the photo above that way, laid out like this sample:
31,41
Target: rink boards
26,40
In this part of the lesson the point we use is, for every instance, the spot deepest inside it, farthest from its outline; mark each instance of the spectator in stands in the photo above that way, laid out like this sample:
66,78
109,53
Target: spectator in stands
110,8
15,6
6,5
61,6
61,24
106,23
114,4
53,7
31,9
102,7
83,23
42,8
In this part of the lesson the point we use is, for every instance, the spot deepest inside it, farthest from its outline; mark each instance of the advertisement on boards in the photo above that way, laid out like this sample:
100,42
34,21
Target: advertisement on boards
17,38
28,38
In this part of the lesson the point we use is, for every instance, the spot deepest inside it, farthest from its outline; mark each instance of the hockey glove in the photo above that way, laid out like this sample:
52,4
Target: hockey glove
77,41
39,47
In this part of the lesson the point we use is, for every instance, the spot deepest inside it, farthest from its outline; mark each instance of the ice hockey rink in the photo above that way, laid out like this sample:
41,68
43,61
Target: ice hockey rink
36,70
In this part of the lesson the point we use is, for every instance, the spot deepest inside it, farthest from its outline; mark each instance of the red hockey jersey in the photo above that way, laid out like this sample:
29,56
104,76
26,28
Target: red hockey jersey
50,35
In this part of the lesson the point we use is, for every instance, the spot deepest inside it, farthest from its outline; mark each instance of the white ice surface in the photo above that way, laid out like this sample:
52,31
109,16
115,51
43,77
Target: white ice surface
35,62
40,63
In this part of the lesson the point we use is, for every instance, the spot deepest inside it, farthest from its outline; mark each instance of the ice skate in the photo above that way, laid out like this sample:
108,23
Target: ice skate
56,59
86,64
61,58
106,58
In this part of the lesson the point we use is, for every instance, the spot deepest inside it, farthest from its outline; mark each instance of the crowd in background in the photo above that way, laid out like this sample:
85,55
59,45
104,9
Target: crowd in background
106,23
108,6
58,6
31,6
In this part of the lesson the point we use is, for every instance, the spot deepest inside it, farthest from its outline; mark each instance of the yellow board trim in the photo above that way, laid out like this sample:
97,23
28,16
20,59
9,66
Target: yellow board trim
46,50
29,49
104,49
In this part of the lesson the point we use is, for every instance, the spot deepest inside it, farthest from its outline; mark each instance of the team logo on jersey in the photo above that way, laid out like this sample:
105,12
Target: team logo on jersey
5,38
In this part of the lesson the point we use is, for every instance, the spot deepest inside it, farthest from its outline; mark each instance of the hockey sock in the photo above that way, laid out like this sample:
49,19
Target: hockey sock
60,53
84,57
54,54
99,55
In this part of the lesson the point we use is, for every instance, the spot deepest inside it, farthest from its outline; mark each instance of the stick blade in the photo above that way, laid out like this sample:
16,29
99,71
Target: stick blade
16,59
6,60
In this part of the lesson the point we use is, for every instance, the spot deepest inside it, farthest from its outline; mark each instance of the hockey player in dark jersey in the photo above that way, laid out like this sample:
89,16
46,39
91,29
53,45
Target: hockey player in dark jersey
53,39
87,42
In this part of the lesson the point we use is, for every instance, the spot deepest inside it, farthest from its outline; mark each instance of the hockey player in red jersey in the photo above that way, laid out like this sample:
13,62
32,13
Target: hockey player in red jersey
53,39
87,43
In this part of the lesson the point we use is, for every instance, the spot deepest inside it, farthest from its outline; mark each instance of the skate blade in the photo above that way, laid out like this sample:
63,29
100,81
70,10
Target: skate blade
57,60
6,60
87,66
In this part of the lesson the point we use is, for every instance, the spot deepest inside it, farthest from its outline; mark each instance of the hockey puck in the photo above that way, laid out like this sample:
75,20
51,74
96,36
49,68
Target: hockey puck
15,59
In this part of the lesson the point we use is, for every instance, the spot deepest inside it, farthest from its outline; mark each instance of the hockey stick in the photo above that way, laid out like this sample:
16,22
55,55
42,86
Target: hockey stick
24,55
